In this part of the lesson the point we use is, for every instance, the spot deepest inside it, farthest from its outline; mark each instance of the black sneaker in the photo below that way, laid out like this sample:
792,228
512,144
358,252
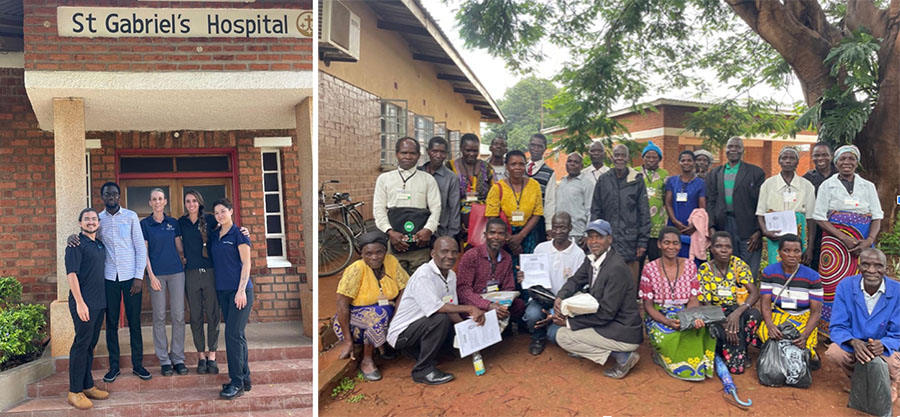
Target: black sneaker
212,367
166,371
537,346
111,375
142,373
201,367
181,369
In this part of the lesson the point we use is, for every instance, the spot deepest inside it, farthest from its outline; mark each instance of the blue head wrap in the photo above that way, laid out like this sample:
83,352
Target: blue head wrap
651,147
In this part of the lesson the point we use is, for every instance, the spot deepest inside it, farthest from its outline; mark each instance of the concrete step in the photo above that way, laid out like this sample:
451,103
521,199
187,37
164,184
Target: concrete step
181,402
262,372
150,359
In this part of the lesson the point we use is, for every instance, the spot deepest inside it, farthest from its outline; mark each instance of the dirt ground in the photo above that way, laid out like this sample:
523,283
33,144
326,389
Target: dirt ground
554,384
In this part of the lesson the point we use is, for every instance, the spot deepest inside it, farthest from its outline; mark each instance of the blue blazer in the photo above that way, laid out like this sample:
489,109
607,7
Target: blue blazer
850,319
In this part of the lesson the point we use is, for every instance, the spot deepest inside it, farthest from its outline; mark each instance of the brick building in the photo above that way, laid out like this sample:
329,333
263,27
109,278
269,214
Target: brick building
214,96
665,127
405,79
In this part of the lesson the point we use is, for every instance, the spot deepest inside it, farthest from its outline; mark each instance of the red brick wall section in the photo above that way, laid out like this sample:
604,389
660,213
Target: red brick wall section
27,203
44,50
277,290
349,139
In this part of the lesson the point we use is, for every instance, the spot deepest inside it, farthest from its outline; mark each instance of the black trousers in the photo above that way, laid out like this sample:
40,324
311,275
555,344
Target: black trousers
81,355
423,340
116,290
235,339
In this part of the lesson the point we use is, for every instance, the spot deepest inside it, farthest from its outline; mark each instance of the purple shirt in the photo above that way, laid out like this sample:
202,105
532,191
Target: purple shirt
474,273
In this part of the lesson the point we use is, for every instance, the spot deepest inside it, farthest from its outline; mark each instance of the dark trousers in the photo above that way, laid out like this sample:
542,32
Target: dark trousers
81,355
200,289
115,291
423,340
235,339
740,248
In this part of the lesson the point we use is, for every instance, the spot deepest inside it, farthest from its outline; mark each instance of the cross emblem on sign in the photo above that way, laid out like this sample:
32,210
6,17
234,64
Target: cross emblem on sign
304,23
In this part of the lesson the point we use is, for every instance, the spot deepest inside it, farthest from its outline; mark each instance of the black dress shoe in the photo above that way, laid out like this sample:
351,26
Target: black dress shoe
181,369
142,373
435,377
201,367
230,392
537,346
212,366
247,385
167,370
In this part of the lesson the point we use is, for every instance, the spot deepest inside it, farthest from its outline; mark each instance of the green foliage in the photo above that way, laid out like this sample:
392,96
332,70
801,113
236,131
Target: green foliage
21,330
730,118
353,399
346,385
10,292
889,243
523,106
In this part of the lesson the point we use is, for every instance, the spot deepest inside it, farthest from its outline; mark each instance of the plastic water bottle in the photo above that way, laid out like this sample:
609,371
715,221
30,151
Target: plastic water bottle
478,362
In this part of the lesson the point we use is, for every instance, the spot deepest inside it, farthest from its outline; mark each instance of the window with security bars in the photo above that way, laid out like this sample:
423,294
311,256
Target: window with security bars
276,250
454,143
440,129
424,130
393,127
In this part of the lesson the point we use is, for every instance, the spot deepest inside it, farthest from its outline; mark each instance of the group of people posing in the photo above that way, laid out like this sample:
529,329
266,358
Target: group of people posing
201,257
620,234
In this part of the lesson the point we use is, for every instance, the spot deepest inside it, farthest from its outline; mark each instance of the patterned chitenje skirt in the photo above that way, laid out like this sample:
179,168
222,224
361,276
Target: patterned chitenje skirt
368,324
685,354
835,260
772,245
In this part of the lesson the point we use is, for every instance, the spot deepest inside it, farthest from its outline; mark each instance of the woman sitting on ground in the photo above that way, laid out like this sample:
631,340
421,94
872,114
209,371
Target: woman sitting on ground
366,301
726,281
669,285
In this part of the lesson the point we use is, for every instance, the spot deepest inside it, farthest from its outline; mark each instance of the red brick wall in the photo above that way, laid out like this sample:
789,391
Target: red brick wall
44,50
349,139
28,222
27,201
277,290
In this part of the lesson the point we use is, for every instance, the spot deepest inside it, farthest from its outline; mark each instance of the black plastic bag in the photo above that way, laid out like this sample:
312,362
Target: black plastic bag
782,363
709,315
543,296
870,388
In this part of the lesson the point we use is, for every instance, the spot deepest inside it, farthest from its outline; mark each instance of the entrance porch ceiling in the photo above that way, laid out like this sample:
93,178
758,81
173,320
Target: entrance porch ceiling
167,101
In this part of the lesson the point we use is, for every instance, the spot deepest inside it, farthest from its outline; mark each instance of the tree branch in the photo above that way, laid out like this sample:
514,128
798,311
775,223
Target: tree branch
864,13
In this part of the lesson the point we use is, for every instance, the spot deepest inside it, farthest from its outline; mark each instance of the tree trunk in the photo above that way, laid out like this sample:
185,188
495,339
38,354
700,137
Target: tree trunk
797,30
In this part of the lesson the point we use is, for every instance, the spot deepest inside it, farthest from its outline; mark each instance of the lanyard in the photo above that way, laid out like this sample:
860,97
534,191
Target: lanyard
518,197
671,284
407,178
493,263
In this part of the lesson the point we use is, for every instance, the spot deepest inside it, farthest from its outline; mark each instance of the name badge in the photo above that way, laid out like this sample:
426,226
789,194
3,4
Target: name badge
518,216
723,292
788,303
681,197
447,299
851,202
492,286
470,197
383,301
789,196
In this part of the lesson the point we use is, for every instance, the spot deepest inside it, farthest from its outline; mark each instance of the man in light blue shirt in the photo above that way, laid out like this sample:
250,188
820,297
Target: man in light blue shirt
126,258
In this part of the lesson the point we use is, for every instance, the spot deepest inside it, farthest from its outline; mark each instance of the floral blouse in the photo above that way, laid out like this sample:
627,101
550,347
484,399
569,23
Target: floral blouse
723,291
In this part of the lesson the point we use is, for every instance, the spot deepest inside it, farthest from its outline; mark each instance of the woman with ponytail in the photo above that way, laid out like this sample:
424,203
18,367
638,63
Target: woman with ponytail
200,283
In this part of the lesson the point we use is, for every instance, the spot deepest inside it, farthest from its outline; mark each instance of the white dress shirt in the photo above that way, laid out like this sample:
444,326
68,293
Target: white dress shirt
425,294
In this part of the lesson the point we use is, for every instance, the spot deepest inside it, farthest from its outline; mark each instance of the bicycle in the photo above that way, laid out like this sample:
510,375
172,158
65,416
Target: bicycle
337,237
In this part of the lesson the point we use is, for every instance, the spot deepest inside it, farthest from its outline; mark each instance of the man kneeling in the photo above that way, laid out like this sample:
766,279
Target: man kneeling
615,329
865,319
427,310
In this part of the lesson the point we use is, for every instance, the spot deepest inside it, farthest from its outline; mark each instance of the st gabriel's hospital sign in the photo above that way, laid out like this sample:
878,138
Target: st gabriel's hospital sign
105,22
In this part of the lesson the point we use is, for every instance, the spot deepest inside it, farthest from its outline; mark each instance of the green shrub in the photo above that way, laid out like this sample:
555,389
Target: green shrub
889,243
10,292
22,327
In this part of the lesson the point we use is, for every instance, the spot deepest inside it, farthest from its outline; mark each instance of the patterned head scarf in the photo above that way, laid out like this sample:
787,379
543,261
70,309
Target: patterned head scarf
787,149
844,149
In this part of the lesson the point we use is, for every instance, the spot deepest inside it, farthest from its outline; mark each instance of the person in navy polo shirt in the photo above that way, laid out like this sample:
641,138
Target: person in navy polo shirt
87,304
162,235
231,258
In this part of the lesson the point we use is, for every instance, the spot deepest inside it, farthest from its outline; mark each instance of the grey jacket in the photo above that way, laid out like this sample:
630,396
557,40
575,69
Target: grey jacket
626,209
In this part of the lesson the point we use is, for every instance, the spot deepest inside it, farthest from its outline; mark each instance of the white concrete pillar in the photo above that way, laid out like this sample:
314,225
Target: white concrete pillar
308,207
70,170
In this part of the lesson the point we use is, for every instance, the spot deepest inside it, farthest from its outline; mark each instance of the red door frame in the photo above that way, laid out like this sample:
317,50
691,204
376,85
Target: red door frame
231,152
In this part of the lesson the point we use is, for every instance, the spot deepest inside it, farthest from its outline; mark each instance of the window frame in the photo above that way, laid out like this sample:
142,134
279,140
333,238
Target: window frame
388,138
282,260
